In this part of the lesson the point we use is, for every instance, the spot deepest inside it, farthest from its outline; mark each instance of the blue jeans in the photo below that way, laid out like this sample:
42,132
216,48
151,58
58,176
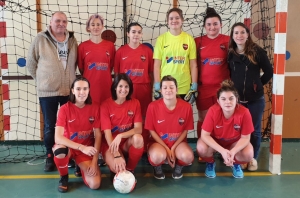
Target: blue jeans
256,109
49,107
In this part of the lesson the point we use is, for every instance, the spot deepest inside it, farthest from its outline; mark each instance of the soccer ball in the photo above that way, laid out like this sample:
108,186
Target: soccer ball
124,182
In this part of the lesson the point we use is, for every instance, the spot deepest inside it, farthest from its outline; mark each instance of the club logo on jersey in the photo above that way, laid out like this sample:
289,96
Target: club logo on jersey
143,58
107,53
134,72
130,113
91,119
223,47
237,127
98,66
176,59
181,121
185,46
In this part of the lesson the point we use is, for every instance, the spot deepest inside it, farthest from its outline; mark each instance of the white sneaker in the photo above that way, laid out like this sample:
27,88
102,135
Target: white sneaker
252,165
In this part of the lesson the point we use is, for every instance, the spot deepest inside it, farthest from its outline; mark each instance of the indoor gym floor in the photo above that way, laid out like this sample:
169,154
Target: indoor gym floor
23,180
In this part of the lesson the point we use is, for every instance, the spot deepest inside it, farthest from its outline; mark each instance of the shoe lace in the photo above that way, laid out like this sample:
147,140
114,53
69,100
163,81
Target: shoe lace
237,167
178,169
158,169
210,166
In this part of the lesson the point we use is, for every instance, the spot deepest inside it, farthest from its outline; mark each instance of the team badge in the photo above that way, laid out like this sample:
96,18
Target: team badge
130,113
223,47
185,46
143,58
107,53
237,127
181,121
91,119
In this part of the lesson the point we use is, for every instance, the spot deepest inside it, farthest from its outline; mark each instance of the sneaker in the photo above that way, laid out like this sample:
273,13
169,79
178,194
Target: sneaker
77,171
71,163
177,174
158,172
210,170
101,161
252,165
49,164
63,184
237,172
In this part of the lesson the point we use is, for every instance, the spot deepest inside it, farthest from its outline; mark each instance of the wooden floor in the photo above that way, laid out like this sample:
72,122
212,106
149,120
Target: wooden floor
24,180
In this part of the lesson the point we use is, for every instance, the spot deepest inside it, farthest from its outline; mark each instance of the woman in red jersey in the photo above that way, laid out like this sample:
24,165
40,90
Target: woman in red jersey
136,60
121,122
78,136
168,120
96,59
212,50
226,129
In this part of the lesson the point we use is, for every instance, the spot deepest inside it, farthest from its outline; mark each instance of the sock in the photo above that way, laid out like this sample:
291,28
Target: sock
209,159
199,128
134,156
62,165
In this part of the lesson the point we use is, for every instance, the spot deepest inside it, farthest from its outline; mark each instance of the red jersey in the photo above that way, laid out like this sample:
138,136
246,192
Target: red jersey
78,122
136,63
212,64
96,61
169,124
227,131
120,118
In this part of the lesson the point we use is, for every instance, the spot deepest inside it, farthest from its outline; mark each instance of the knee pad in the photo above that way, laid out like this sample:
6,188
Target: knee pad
61,151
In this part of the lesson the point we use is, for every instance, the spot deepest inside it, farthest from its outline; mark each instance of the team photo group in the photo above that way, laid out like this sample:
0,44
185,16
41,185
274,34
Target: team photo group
146,108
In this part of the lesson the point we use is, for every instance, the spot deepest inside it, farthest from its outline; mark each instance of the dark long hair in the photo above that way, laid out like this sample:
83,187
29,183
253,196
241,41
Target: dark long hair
72,97
250,46
118,78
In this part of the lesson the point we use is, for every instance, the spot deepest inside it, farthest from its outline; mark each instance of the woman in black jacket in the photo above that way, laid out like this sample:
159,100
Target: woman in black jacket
246,60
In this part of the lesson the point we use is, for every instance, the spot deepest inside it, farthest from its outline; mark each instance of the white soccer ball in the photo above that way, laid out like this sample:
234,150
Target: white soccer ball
124,182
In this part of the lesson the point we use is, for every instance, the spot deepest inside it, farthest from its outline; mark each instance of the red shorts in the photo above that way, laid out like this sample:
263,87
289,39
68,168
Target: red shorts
143,93
151,141
79,156
205,103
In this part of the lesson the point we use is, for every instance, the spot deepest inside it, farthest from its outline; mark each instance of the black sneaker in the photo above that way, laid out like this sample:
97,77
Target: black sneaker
177,174
71,163
63,184
49,164
77,171
158,172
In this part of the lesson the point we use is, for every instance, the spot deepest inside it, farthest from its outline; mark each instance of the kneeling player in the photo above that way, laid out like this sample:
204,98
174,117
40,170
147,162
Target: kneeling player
168,120
78,136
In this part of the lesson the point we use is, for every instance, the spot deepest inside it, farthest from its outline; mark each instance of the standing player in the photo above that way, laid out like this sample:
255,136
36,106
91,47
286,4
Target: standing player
136,60
78,136
212,50
246,60
121,121
168,120
226,128
96,59
175,55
